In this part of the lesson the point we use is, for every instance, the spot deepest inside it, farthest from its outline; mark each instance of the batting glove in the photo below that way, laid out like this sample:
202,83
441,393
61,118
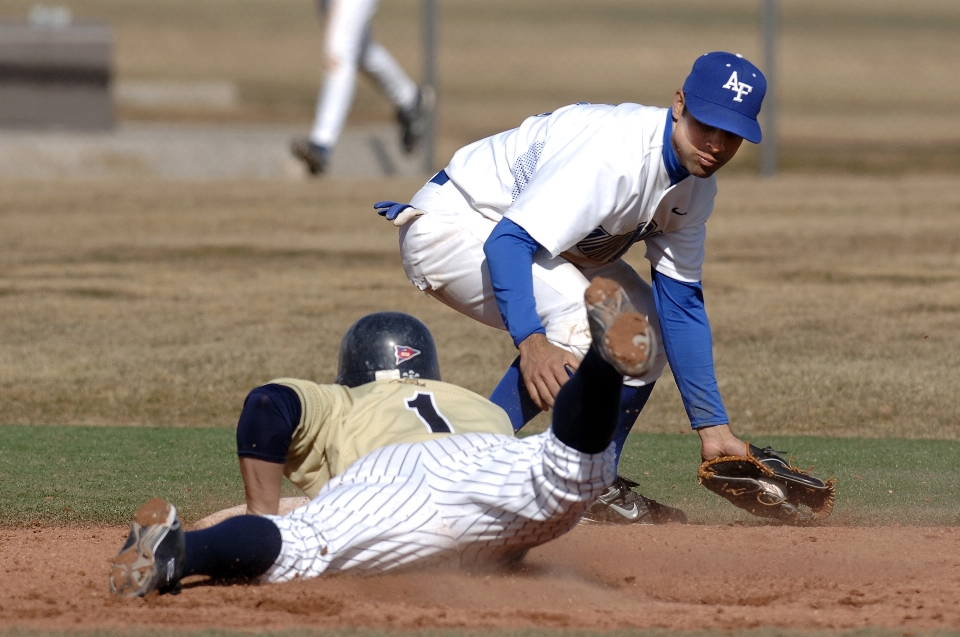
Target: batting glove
399,213
390,209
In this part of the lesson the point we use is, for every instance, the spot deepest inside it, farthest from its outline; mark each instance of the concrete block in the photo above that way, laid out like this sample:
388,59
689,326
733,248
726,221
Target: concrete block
56,77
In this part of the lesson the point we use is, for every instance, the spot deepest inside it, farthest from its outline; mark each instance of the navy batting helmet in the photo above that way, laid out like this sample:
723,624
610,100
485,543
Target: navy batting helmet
387,345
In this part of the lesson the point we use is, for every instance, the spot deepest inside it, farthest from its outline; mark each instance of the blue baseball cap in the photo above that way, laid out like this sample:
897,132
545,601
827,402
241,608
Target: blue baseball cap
725,90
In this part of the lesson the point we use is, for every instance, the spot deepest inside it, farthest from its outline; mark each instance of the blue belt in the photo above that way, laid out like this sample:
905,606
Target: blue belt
440,178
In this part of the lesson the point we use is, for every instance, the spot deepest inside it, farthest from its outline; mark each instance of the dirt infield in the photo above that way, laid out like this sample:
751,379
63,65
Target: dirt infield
681,578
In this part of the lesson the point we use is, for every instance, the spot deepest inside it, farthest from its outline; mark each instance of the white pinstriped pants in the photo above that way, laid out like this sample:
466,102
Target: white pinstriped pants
466,500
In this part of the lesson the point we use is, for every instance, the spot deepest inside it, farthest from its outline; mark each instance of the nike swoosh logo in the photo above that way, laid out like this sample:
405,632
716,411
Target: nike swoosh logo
631,513
676,211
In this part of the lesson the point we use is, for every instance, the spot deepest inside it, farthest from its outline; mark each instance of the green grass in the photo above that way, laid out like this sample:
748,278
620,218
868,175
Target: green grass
879,481
98,475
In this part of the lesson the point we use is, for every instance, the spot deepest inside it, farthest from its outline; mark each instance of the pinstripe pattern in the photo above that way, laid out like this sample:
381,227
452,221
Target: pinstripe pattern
341,424
463,501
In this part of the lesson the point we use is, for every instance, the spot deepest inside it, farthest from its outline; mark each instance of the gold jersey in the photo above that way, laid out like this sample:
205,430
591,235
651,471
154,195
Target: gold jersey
339,425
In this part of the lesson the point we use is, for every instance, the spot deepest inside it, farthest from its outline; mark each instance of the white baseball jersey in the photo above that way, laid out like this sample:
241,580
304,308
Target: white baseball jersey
469,500
587,181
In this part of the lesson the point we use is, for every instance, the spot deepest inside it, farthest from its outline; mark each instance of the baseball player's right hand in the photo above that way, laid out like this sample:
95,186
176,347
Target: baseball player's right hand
544,367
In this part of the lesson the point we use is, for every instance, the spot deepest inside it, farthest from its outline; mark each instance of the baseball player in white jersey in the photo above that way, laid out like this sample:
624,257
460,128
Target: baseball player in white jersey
348,45
517,225
469,500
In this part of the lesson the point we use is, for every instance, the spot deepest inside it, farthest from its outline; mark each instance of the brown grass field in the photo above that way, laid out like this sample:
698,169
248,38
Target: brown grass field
864,85
833,299
833,291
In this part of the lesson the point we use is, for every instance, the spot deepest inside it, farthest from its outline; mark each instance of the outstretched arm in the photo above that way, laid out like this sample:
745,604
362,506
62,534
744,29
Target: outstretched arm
687,340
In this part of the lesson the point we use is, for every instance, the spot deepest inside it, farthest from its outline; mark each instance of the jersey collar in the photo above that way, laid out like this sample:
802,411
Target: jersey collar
675,170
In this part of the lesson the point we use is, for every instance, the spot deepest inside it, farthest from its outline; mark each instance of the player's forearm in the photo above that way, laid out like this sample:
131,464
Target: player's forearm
261,482
509,251
271,414
688,343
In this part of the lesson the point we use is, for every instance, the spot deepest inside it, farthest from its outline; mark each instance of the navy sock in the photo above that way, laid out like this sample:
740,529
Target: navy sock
586,411
632,400
238,548
511,395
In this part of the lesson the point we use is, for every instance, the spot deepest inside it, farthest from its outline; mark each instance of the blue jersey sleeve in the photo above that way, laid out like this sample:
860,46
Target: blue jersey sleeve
509,251
689,347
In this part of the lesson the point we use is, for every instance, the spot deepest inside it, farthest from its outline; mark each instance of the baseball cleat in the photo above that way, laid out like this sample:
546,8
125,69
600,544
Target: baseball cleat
314,156
413,121
619,504
152,557
622,335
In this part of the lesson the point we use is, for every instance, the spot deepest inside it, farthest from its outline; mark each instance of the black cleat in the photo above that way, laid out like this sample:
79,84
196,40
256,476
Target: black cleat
315,157
413,121
152,557
622,335
619,504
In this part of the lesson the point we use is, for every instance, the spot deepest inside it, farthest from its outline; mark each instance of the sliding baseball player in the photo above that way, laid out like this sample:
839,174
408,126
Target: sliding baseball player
459,500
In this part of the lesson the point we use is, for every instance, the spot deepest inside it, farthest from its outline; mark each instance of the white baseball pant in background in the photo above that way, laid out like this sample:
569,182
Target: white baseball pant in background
348,44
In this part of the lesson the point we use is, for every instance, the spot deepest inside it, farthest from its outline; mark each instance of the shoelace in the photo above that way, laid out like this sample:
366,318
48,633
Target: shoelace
623,486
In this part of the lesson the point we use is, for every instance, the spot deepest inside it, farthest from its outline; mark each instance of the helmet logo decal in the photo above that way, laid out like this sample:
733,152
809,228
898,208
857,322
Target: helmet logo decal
404,353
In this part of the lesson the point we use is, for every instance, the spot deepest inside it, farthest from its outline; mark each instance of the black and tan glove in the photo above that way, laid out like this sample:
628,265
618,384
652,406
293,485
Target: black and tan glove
766,485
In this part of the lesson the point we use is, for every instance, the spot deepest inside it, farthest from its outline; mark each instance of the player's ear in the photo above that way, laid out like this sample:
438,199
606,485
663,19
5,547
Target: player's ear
678,104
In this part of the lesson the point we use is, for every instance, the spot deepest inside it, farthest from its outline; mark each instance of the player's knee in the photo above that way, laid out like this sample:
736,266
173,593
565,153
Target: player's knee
270,416
572,334
339,57
331,63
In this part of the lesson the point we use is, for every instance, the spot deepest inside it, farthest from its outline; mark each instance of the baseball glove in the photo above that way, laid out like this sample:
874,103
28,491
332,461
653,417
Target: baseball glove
766,485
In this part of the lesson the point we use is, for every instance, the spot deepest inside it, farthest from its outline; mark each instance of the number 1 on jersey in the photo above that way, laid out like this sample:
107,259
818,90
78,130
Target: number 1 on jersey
426,408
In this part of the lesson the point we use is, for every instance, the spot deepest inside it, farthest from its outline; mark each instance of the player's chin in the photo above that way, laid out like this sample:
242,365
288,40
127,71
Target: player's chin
701,171
706,168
